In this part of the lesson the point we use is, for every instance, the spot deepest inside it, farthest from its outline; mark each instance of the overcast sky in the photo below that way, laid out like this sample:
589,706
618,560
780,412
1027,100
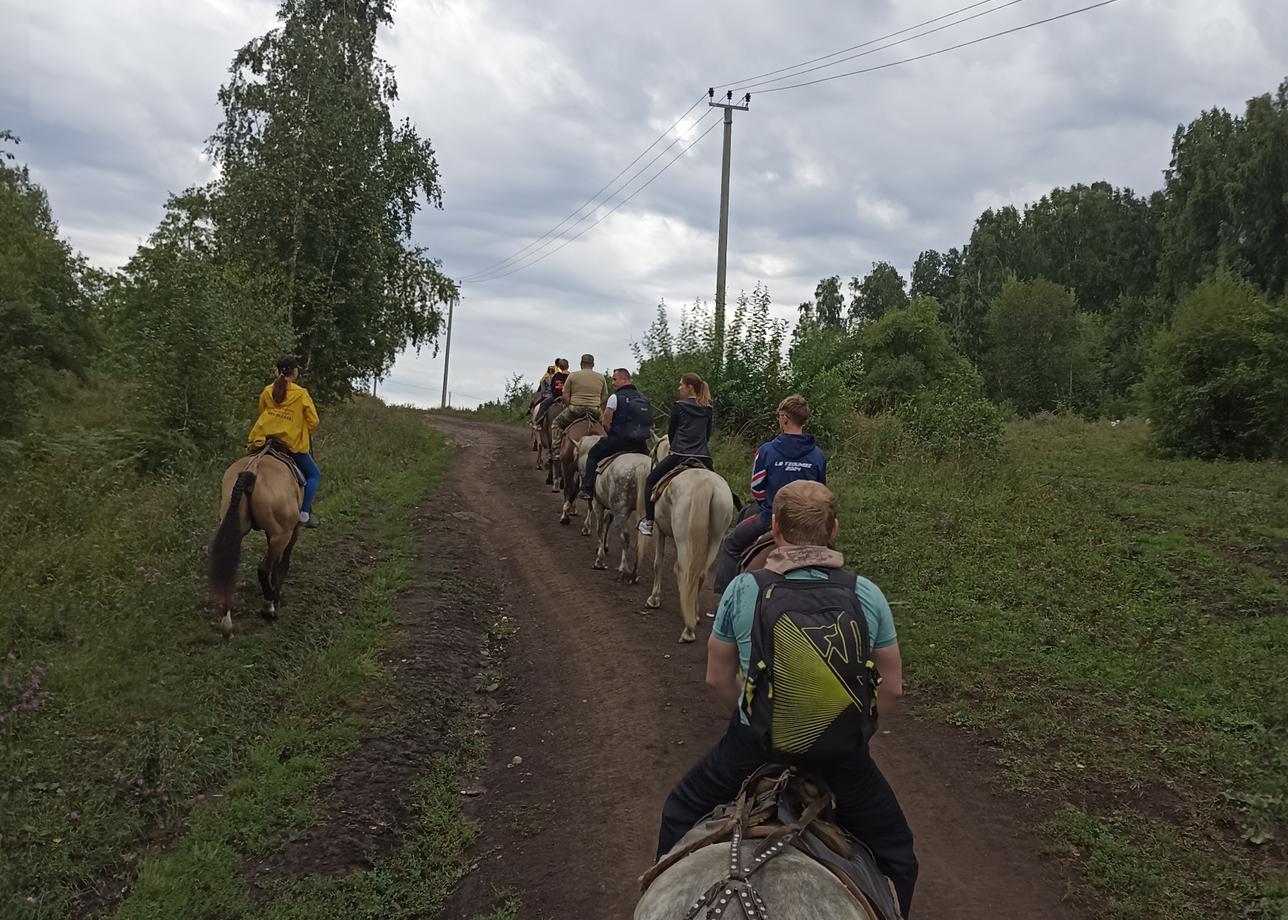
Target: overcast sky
533,106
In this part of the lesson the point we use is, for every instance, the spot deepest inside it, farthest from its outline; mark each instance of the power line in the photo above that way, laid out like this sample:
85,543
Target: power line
865,44
572,239
930,54
902,41
555,229
529,260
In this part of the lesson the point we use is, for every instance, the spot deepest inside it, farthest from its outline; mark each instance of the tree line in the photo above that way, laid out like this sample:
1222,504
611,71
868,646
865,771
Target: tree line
1098,300
301,243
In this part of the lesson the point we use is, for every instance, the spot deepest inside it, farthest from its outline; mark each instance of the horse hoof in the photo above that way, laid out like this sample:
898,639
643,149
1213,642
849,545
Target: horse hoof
226,625
564,521
598,566
653,602
269,612
687,636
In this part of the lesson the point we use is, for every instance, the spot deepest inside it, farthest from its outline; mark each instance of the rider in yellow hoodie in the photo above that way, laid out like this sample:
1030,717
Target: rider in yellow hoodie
287,414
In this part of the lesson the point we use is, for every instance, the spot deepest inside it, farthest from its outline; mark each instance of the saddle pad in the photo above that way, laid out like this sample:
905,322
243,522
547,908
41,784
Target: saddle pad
666,480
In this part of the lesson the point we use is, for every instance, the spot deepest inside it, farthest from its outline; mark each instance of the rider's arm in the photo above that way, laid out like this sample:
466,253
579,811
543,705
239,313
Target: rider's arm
722,670
758,475
672,424
890,665
263,399
608,413
310,414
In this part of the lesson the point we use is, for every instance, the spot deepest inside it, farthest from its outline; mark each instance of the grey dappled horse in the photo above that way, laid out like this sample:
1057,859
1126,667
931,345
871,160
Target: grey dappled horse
619,503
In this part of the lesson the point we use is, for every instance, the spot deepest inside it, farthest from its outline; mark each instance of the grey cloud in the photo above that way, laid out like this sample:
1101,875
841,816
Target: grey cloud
531,107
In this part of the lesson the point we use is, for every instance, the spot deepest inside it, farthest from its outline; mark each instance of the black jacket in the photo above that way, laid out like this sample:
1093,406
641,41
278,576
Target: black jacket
690,429
633,416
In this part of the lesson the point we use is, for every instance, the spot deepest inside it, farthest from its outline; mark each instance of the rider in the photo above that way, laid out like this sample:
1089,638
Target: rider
287,414
836,746
554,387
584,394
790,457
689,432
629,420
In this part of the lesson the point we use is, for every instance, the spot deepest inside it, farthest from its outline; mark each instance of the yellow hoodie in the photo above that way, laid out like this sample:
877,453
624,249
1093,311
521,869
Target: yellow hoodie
291,422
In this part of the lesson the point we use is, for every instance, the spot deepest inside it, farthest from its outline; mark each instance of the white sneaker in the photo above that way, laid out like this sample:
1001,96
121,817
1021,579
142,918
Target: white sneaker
646,528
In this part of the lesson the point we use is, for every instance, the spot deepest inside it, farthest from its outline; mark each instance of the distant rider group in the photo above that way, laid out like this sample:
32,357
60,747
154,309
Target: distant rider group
822,636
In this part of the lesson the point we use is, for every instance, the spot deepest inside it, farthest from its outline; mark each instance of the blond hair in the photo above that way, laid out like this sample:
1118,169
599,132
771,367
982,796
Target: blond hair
795,408
805,513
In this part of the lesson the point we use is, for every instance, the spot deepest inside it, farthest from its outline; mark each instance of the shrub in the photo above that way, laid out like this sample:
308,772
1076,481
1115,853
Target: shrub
953,419
1215,384
905,351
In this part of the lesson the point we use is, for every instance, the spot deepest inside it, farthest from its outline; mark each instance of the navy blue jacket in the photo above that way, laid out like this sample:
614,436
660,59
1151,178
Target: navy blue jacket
787,458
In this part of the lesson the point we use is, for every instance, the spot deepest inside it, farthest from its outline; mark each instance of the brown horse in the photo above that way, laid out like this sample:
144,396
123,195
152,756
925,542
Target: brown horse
260,492
571,477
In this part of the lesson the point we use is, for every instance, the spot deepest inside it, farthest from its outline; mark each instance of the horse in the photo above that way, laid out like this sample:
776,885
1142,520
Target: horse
546,459
260,492
773,851
694,511
534,406
568,473
619,494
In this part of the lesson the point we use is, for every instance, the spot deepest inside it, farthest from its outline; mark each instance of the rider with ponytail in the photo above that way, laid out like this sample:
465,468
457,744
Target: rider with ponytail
689,431
287,414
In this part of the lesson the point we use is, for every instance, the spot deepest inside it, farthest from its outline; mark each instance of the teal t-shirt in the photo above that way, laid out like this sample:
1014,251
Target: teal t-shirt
738,608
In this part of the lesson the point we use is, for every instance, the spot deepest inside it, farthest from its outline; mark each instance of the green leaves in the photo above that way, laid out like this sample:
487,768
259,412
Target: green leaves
319,188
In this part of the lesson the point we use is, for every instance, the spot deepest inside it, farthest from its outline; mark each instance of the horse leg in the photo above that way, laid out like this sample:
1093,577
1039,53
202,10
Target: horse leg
655,597
625,574
284,566
688,597
267,580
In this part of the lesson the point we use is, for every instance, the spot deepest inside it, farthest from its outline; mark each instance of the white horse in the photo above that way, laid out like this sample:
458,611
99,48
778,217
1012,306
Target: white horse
694,511
619,502
786,882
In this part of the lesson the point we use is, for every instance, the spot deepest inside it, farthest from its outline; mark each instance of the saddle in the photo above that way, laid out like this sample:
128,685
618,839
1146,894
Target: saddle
763,542
606,463
277,450
666,480
780,807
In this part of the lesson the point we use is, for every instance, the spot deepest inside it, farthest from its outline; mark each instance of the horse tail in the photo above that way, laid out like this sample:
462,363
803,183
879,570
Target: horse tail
225,549
695,564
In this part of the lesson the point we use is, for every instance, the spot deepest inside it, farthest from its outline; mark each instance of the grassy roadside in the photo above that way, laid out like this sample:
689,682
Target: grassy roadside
1116,625
147,730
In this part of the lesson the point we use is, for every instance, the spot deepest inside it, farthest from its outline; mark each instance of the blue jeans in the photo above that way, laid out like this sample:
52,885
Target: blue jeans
312,476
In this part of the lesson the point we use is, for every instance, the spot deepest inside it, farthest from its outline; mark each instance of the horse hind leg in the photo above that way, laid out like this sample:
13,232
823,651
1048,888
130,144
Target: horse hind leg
659,553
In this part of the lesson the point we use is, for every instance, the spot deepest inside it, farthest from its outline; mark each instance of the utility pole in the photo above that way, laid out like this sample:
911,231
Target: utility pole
447,351
728,105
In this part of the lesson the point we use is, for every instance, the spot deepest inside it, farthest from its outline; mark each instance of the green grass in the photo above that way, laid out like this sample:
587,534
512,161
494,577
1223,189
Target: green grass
1118,626
158,746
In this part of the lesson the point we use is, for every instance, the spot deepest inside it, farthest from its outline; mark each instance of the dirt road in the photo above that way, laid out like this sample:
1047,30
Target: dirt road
602,711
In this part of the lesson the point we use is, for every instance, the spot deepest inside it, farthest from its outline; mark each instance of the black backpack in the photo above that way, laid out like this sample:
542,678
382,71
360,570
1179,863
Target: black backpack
811,690
633,417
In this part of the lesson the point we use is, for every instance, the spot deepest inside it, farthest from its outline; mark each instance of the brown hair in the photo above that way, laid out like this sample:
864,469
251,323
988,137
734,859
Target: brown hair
701,392
805,512
795,408
286,365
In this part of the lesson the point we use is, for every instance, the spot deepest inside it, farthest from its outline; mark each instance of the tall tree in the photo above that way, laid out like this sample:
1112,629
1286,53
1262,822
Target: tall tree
936,275
1033,345
1199,227
1261,193
880,291
319,188
1098,240
828,307
46,293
